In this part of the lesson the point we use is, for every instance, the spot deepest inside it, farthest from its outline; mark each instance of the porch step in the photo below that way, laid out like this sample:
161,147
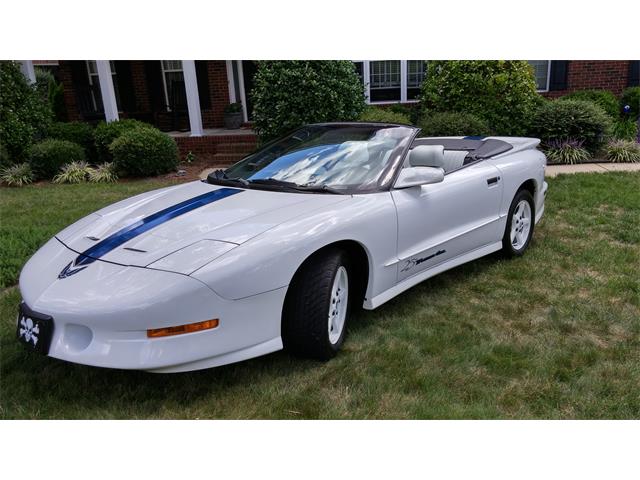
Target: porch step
237,147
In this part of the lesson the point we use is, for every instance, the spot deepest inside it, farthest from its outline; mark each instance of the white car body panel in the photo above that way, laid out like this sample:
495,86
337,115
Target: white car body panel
233,260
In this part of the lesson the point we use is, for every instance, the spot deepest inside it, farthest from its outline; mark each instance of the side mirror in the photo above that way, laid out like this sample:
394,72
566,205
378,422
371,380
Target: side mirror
414,176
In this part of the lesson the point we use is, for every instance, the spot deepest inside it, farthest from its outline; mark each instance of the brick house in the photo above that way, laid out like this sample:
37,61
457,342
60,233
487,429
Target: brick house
188,97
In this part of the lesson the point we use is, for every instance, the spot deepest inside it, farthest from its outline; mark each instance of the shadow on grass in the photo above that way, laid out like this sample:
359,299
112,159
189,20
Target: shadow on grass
35,386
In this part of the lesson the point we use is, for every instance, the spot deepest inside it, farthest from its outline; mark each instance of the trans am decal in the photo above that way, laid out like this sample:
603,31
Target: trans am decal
412,262
141,226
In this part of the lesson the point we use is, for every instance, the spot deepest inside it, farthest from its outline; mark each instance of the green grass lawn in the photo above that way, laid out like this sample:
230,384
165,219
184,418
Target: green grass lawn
555,334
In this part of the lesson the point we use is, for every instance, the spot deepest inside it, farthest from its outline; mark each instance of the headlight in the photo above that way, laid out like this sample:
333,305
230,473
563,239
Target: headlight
190,258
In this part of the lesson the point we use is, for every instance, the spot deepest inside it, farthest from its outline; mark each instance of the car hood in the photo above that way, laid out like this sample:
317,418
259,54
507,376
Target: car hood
199,219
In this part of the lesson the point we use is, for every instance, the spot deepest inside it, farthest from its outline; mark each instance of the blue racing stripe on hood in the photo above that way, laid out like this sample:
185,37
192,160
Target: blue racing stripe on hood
144,225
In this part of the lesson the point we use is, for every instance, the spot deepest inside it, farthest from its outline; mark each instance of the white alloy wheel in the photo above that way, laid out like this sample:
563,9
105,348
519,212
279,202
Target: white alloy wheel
520,224
338,305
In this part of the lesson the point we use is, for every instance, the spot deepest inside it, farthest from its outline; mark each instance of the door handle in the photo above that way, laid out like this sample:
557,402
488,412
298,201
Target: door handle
493,180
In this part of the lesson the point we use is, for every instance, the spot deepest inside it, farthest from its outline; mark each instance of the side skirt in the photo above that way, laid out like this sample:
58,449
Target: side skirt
406,284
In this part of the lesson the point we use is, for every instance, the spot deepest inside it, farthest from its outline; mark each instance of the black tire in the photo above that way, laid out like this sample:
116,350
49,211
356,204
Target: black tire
305,329
507,247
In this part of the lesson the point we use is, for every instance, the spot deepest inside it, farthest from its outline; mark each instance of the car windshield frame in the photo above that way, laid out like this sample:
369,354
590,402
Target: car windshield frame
400,139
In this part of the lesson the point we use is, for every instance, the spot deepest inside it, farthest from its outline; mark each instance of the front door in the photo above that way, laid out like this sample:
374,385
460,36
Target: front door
441,221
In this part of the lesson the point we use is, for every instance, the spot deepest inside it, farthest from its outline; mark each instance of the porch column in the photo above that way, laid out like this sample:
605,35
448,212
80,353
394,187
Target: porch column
193,99
107,91
26,67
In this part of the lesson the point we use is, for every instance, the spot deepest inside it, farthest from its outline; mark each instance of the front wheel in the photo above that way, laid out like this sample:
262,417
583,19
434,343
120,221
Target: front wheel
317,307
520,224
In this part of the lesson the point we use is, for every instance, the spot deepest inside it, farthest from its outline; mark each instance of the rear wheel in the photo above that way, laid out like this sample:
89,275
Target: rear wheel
520,224
317,306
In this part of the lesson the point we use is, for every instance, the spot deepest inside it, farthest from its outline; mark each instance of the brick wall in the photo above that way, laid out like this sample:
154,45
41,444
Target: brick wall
69,95
211,118
139,81
595,74
218,94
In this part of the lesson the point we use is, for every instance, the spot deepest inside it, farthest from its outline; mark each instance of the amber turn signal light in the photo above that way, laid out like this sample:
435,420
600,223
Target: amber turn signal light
179,330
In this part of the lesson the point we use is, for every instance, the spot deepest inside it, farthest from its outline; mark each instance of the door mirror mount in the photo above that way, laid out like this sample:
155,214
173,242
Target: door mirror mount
416,176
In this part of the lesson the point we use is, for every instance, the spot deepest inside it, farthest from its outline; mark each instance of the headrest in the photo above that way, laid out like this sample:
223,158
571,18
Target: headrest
426,156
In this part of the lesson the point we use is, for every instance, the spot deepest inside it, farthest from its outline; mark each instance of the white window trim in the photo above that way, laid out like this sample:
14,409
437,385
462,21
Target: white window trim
548,77
91,78
366,75
240,96
546,89
164,81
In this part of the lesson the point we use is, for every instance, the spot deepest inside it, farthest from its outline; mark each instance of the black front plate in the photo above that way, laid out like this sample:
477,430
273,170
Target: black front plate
34,329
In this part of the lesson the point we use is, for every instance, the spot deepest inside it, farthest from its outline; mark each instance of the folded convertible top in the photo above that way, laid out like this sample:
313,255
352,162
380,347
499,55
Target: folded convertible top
478,148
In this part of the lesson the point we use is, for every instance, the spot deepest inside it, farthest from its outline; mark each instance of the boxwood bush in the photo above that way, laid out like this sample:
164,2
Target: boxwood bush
603,98
105,133
76,132
503,93
47,157
142,152
24,116
375,114
577,119
452,124
631,97
288,94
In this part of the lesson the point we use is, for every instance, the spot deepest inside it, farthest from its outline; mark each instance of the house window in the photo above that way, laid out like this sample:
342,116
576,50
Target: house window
384,81
94,85
175,94
416,71
541,69
390,81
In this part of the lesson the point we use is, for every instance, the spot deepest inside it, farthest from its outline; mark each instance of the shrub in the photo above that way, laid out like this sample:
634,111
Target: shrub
452,124
626,129
631,97
374,114
288,94
575,119
623,151
76,132
233,108
47,157
568,151
105,133
104,173
17,175
603,98
74,172
5,160
503,93
24,117
51,92
144,152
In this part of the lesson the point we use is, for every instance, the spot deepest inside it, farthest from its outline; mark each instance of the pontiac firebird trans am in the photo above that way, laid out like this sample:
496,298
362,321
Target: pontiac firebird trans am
273,251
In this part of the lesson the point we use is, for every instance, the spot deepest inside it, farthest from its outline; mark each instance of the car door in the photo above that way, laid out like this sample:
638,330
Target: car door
441,221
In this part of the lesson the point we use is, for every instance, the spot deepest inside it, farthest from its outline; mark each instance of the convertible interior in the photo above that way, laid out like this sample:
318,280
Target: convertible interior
451,154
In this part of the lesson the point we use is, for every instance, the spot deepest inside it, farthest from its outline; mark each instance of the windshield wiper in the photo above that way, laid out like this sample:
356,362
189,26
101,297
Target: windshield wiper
272,181
295,186
319,189
220,176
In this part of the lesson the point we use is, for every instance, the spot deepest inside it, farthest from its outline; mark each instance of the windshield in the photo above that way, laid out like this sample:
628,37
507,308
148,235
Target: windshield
331,157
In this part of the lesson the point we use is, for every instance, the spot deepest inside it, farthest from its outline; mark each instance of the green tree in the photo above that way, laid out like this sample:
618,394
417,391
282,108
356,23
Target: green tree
24,116
502,92
288,94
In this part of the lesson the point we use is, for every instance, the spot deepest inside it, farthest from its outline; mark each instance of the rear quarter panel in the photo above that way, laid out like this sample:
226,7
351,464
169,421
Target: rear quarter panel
516,168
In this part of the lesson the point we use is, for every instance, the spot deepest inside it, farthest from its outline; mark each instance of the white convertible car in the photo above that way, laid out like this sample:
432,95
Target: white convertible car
274,250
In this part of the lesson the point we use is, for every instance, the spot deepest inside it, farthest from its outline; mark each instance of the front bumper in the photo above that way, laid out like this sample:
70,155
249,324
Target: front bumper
101,316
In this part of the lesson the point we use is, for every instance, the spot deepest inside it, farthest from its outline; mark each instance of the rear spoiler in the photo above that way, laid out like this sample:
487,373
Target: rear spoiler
481,148
519,144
